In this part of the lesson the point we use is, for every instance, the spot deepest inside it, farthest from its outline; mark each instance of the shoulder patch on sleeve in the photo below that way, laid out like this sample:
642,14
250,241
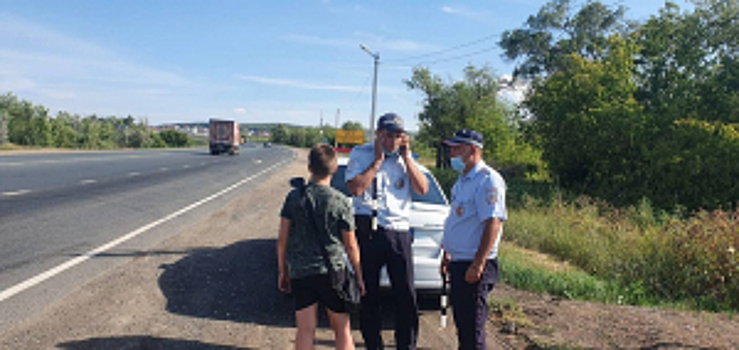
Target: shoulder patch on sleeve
491,195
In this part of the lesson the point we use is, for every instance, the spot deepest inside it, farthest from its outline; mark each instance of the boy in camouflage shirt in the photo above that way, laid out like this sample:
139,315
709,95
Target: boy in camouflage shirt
302,269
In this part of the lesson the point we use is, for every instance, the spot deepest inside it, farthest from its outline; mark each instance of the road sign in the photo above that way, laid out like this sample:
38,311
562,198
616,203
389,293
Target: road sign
354,137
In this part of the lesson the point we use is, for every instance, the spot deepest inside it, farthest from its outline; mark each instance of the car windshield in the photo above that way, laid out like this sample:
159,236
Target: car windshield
434,195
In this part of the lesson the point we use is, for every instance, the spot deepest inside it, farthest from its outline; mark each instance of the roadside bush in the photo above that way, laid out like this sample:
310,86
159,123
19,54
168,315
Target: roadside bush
659,256
446,178
696,166
174,138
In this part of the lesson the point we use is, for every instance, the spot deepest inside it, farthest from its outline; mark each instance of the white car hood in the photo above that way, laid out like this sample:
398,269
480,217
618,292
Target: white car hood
428,216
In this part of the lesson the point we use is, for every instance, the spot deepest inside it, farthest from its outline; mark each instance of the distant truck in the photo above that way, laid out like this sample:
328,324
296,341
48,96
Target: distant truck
224,137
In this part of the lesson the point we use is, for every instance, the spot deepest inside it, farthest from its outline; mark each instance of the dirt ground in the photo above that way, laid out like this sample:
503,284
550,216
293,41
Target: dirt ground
213,287
529,320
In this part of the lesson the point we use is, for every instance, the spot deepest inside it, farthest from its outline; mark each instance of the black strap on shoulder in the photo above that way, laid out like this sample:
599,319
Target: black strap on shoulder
308,209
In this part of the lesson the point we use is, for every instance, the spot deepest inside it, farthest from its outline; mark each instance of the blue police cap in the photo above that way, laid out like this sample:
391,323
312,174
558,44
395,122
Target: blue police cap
465,136
390,122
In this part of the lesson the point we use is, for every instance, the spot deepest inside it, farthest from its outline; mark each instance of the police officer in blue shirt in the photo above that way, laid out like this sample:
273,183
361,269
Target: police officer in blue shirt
471,236
387,163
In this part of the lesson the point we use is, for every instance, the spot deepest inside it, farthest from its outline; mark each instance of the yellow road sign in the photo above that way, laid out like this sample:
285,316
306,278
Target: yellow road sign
354,137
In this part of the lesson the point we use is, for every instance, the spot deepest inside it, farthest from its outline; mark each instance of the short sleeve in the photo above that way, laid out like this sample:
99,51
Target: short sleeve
357,165
288,207
346,216
490,199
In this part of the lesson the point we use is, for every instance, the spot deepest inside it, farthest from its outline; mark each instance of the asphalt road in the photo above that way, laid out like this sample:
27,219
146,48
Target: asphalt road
66,218
211,284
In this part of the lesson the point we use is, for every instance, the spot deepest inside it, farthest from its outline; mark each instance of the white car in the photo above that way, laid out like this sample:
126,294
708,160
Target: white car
428,213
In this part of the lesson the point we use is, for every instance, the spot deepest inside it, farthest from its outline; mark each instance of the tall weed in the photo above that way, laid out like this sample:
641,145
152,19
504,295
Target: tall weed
669,257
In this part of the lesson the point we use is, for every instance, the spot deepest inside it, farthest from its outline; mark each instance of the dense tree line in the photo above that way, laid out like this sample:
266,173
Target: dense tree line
620,110
309,136
652,113
26,124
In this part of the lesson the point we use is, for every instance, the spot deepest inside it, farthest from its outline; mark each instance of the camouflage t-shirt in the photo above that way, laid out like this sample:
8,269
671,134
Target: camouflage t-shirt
334,214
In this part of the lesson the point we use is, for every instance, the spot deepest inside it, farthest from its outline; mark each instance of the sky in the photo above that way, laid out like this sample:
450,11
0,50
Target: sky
169,61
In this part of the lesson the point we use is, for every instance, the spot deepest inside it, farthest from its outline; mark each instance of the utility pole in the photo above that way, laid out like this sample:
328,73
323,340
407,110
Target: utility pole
376,56
338,111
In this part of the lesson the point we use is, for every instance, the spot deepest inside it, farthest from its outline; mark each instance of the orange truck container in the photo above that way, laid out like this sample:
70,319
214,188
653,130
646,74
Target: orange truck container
224,137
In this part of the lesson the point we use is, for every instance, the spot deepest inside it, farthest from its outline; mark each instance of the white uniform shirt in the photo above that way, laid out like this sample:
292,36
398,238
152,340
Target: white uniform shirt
476,197
393,188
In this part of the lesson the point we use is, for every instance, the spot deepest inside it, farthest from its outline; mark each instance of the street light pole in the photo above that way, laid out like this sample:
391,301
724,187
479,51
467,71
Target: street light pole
376,57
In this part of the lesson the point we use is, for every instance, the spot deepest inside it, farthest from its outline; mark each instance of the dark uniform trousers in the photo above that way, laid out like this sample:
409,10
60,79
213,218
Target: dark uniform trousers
393,249
470,302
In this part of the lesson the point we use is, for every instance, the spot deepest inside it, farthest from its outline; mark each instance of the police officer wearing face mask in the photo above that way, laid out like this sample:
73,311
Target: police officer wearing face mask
471,236
388,161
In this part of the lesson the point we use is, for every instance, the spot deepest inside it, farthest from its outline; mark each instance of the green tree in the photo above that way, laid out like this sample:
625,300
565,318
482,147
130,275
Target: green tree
155,140
280,134
557,31
139,137
590,127
174,138
312,136
3,127
688,65
41,131
696,167
470,104
90,133
63,132
351,125
21,114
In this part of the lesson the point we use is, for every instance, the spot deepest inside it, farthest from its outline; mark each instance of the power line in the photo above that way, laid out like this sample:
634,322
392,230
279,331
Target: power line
459,57
413,58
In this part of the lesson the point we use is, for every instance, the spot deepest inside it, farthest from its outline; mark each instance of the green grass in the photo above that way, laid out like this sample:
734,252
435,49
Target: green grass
539,273
630,253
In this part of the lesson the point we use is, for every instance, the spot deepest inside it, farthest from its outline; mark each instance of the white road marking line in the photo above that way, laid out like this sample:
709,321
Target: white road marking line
88,181
20,287
134,174
203,163
164,169
77,159
185,166
16,193
258,161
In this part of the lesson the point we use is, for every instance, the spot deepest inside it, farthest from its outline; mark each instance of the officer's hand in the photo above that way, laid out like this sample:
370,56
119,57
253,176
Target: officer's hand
360,283
474,273
405,146
283,283
444,267
379,148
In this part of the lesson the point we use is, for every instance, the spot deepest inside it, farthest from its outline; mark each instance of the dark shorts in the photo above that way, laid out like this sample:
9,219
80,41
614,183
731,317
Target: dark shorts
314,289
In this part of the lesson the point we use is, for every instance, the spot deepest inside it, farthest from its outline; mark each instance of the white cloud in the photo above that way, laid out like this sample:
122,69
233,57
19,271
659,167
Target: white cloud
9,82
465,12
375,42
240,110
298,84
46,63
